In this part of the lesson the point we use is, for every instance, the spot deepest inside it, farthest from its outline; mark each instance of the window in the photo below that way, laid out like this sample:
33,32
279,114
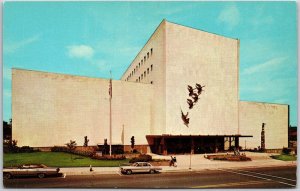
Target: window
151,82
148,55
136,80
139,65
147,70
144,59
136,68
134,71
142,77
142,62
151,67
139,79
145,74
151,51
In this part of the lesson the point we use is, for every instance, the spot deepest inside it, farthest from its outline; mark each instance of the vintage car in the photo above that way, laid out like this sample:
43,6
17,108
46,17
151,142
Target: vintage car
38,170
139,167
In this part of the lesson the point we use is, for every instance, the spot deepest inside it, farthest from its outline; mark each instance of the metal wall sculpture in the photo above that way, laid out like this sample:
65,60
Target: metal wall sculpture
194,94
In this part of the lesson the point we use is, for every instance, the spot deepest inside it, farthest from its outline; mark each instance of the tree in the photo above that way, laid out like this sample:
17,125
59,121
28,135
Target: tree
71,146
6,131
105,147
86,141
132,142
11,146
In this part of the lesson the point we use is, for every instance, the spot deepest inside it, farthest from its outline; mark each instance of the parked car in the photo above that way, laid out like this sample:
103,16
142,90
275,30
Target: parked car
38,170
139,167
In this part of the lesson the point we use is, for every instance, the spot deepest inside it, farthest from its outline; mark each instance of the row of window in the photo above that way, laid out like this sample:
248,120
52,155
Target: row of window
143,61
144,74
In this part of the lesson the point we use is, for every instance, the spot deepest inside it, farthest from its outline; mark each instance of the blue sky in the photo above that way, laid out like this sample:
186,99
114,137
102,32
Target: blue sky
91,38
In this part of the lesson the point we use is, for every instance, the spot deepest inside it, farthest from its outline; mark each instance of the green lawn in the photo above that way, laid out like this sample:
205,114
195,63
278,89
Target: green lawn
56,159
285,157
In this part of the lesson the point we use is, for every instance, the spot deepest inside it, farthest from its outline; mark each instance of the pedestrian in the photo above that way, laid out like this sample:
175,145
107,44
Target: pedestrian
171,162
174,162
91,168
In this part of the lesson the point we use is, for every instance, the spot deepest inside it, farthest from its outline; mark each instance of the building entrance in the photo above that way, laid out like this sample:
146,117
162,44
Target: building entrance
195,144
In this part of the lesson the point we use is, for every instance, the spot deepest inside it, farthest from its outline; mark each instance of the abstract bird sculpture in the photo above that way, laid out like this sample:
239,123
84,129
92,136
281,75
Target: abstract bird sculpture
195,97
190,102
199,88
190,89
185,118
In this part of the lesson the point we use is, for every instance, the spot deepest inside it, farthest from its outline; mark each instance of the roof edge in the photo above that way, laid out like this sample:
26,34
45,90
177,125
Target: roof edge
261,102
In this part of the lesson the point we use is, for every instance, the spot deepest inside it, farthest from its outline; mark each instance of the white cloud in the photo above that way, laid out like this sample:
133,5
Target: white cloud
260,17
101,64
12,47
80,51
230,16
271,64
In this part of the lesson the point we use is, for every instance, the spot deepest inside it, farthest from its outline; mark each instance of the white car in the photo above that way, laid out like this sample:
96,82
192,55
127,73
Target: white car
139,167
38,170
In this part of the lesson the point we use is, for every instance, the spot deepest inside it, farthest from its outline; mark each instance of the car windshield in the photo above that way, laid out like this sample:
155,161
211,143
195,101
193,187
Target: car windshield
42,166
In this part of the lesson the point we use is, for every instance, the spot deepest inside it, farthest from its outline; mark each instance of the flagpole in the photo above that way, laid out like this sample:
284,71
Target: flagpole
123,134
110,129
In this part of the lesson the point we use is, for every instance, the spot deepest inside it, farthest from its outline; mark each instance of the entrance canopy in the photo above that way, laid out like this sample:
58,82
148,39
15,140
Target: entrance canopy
180,144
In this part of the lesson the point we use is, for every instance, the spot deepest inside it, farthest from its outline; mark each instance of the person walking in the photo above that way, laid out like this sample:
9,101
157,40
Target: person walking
171,162
174,162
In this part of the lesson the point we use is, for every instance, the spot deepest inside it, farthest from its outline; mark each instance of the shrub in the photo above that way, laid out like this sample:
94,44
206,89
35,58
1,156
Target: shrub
141,158
11,147
67,150
27,149
119,151
286,151
59,149
113,157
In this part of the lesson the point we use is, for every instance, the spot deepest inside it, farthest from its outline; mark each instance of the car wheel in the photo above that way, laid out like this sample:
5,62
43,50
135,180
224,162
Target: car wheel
42,175
7,176
152,171
128,172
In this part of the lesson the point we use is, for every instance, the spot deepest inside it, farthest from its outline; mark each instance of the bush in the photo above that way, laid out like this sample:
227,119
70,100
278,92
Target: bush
11,147
286,151
141,158
67,150
27,149
135,151
113,157
119,151
59,149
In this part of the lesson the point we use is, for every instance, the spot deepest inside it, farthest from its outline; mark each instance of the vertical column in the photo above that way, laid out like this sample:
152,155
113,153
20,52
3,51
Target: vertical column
216,145
229,143
237,142
164,148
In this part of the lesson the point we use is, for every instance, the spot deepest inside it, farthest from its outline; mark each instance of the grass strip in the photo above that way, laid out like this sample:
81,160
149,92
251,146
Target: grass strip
56,159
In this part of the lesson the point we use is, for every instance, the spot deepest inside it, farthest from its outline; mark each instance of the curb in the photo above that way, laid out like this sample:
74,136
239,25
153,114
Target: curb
177,170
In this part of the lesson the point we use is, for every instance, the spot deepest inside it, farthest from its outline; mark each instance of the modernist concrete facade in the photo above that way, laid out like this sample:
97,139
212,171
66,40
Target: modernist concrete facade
50,109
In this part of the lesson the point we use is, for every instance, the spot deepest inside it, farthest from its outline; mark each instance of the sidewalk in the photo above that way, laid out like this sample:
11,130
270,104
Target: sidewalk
198,162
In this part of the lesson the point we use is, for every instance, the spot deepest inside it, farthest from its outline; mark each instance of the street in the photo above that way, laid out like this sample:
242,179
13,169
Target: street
267,177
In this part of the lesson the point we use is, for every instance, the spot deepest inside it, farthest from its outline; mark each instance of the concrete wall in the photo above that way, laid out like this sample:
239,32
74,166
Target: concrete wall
253,114
156,76
194,56
50,109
